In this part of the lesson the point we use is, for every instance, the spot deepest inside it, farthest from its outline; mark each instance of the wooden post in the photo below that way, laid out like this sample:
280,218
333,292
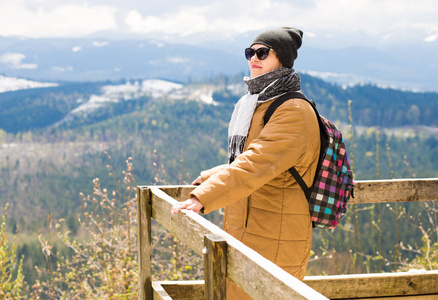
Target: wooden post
215,267
144,214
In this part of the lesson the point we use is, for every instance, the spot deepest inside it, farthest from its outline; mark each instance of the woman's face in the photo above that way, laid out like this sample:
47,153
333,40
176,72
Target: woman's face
259,67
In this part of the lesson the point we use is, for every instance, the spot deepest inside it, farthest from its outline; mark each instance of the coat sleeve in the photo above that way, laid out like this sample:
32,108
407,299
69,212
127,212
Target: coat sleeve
207,173
279,146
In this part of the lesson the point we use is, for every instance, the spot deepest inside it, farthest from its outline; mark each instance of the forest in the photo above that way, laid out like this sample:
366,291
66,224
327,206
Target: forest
65,175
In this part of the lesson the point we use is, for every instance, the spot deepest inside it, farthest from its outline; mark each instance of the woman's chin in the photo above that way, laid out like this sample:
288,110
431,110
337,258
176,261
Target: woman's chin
256,72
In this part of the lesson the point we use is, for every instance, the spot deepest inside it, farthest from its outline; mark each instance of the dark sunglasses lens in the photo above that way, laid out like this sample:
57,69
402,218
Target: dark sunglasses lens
262,53
249,52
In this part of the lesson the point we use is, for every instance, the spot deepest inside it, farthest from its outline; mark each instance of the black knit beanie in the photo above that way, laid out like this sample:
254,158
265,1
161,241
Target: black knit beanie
285,41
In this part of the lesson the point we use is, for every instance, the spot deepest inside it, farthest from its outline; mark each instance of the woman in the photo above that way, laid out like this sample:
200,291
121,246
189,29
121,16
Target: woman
265,208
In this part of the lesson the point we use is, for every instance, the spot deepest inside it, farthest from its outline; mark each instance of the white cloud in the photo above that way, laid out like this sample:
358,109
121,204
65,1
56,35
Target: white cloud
431,38
156,43
62,69
383,19
214,17
62,19
177,60
99,44
386,20
15,60
76,49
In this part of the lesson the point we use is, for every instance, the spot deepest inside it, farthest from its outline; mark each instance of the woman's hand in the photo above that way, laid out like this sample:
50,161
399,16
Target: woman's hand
197,181
190,204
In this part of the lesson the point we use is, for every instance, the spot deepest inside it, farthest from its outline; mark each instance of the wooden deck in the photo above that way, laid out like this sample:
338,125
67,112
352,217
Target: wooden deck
225,257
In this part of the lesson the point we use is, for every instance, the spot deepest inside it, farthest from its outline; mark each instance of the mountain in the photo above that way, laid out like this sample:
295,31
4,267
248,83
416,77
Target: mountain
75,104
52,140
408,67
98,60
13,84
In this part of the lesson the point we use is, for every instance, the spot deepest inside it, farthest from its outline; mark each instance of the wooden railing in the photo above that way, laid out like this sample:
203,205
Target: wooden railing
225,257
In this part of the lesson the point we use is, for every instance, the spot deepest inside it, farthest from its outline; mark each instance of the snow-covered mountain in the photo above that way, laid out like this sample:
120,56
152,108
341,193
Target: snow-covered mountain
409,67
124,92
99,60
14,84
155,89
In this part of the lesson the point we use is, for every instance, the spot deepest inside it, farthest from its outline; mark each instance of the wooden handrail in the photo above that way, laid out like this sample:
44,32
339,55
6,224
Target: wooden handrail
365,191
412,283
257,276
253,273
395,190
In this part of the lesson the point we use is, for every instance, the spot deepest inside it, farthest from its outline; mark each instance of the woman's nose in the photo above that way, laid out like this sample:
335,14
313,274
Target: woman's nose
254,57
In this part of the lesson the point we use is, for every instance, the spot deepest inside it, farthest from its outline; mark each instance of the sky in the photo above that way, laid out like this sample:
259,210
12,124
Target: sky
346,22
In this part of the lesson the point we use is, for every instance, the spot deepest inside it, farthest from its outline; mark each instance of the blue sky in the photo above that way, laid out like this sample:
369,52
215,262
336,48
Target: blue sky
338,22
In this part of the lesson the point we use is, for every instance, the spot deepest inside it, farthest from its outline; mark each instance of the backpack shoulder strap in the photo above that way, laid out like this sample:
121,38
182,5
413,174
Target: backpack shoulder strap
280,100
270,111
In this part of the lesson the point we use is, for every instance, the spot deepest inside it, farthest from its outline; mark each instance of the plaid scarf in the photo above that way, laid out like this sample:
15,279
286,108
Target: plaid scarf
260,89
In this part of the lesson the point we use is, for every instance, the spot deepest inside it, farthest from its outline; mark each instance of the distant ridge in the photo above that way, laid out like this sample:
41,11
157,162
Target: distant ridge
8,84
408,67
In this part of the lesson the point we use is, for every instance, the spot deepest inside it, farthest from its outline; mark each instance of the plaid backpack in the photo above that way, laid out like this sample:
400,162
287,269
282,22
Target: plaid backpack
333,183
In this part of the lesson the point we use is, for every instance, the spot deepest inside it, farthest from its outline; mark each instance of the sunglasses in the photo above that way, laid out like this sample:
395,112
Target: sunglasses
262,53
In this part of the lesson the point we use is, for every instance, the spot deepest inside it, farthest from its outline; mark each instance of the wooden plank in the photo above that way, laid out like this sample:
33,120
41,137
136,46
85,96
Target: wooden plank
215,267
194,290
144,214
178,192
398,190
418,297
242,266
159,293
375,285
183,225
365,191
183,290
256,275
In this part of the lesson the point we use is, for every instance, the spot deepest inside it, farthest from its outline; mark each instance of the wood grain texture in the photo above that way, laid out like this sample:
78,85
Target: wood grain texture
181,290
256,275
261,278
215,267
376,285
159,293
397,190
144,214
365,191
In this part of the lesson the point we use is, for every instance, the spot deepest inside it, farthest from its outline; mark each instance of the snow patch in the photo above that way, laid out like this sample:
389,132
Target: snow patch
123,92
203,94
93,103
153,88
237,88
14,84
335,77
350,80
159,88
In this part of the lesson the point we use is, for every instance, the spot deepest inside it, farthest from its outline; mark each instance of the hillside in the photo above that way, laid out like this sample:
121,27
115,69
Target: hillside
85,103
52,139
52,136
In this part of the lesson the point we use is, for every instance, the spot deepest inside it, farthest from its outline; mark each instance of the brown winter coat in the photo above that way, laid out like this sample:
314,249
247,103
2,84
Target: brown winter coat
265,207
